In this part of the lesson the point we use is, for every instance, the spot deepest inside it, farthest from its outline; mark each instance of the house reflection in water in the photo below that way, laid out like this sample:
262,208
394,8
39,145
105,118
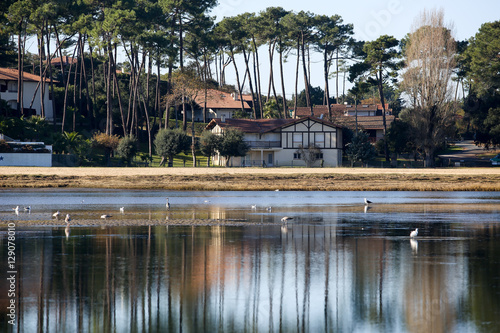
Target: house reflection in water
309,277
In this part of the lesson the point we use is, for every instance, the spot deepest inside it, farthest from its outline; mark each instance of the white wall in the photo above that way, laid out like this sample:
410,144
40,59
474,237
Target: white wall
26,159
29,90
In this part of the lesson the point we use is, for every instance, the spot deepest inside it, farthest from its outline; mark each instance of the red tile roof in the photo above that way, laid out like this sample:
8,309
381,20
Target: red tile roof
260,125
217,99
368,122
337,109
10,74
66,60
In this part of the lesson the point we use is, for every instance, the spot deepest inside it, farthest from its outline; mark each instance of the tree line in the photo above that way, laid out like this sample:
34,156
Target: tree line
181,39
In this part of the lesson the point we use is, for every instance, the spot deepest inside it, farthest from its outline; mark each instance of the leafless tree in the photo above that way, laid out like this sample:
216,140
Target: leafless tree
309,154
430,60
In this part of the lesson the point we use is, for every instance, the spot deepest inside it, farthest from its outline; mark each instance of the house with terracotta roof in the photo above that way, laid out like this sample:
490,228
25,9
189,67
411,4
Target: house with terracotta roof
64,60
276,142
31,93
219,104
368,117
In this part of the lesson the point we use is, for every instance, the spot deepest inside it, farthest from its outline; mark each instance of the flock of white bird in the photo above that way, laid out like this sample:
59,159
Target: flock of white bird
284,219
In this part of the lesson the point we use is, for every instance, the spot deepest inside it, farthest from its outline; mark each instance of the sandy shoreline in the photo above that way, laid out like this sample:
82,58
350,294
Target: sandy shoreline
255,179
65,172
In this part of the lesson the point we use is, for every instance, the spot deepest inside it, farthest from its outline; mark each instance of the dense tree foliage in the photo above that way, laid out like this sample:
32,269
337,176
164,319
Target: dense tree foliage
360,149
127,148
139,63
232,144
209,143
169,143
481,68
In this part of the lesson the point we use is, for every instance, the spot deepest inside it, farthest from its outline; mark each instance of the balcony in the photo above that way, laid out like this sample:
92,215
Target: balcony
263,144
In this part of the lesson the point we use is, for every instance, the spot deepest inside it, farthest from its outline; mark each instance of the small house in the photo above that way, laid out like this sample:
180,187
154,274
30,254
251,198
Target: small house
31,93
277,142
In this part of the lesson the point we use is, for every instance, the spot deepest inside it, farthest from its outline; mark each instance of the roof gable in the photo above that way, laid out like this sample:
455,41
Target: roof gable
262,125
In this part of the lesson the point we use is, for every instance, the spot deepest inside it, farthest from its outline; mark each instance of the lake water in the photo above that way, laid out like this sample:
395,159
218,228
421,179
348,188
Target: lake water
338,266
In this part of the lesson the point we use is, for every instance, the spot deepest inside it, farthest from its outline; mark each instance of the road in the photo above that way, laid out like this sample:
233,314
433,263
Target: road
470,155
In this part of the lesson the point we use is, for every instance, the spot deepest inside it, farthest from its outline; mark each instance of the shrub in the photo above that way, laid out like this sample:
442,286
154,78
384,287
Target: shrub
127,148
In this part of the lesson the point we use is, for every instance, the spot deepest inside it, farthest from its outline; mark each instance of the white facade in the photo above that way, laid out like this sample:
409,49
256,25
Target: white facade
8,84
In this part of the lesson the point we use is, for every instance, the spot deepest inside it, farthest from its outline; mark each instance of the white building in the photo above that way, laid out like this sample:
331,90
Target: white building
276,142
26,153
31,92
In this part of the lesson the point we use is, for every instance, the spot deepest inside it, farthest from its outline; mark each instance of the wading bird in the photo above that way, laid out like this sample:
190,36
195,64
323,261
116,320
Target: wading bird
367,202
414,233
16,210
122,210
67,219
286,219
167,204
56,215
105,216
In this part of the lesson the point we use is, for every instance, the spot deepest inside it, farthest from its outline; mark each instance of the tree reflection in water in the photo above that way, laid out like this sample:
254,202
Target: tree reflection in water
302,277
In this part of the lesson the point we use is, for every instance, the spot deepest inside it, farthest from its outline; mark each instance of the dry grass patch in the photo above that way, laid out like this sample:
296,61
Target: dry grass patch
258,179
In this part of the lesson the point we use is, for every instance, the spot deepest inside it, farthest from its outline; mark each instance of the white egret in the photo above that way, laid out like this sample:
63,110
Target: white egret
16,210
122,210
56,215
254,206
414,233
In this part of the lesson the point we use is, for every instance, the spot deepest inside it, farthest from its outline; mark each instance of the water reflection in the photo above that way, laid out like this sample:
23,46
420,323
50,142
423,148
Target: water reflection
332,268
260,278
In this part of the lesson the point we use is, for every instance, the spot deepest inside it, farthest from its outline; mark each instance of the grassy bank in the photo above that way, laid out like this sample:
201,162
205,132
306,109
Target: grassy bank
256,179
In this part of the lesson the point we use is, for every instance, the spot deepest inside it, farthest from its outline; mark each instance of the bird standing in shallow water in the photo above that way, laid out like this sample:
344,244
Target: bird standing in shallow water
286,219
414,233
56,215
367,202
67,219
16,210
105,216
122,210
167,204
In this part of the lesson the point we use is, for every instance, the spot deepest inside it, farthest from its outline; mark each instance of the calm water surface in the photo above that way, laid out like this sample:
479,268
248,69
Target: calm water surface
338,266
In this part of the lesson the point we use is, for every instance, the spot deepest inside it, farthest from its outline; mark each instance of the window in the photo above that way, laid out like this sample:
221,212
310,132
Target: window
297,139
319,156
12,86
296,156
319,139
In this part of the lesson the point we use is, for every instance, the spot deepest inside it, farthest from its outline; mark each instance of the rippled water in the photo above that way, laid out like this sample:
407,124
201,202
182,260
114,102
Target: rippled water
337,266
